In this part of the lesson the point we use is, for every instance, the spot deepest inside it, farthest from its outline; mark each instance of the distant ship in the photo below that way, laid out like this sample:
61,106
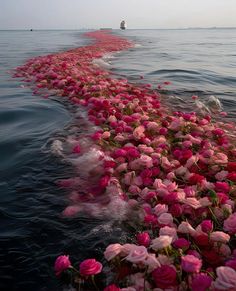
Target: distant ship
122,25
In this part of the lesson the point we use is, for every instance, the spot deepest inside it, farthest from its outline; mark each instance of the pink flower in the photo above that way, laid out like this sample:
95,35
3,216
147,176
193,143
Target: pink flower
106,134
62,263
143,239
170,231
152,262
219,236
90,267
230,224
112,251
137,254
201,282
191,264
185,227
226,279
160,209
165,219
139,132
163,241
164,276
145,161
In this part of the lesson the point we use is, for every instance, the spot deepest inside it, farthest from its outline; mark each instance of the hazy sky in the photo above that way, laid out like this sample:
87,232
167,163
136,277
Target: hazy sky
75,14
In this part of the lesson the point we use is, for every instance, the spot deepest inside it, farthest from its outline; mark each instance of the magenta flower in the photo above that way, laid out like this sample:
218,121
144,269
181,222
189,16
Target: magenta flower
62,263
90,267
201,282
164,276
230,224
143,239
181,243
207,225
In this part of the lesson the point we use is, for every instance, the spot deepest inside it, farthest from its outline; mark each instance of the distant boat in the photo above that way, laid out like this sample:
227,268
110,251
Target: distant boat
123,25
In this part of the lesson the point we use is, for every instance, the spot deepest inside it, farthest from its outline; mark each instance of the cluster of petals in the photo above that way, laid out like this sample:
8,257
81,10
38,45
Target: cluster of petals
174,171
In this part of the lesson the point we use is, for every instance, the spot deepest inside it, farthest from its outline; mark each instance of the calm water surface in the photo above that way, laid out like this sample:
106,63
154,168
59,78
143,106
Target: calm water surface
33,231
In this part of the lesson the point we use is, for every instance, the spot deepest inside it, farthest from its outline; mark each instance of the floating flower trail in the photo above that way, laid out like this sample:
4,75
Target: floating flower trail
175,172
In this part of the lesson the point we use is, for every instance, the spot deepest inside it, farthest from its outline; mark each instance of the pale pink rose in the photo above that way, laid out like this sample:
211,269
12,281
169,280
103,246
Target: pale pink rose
126,249
112,118
219,236
152,126
145,149
152,262
161,242
220,176
164,260
139,132
138,181
171,176
122,167
160,209
165,163
226,279
185,227
176,124
190,191
158,141
170,231
219,159
227,208
119,138
112,251
191,201
139,281
165,219
137,254
145,161
181,171
192,160
106,134
128,178
204,202
230,224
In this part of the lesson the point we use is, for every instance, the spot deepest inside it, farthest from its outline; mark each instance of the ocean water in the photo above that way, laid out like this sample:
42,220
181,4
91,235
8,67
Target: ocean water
33,232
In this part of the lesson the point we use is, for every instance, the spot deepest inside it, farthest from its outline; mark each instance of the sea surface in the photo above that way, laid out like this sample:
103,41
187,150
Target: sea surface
33,232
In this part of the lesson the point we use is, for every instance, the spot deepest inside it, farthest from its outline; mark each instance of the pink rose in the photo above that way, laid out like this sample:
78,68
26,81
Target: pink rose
90,267
201,282
230,224
170,231
62,263
112,251
185,227
163,241
164,276
143,239
106,135
160,208
137,254
226,279
219,236
191,264
165,219
139,132
152,262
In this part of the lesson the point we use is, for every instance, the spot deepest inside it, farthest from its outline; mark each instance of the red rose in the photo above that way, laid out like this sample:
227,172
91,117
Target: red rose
164,276
195,178
231,167
232,176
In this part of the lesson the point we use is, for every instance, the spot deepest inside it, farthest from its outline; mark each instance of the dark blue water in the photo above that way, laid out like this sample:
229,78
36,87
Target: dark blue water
33,232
